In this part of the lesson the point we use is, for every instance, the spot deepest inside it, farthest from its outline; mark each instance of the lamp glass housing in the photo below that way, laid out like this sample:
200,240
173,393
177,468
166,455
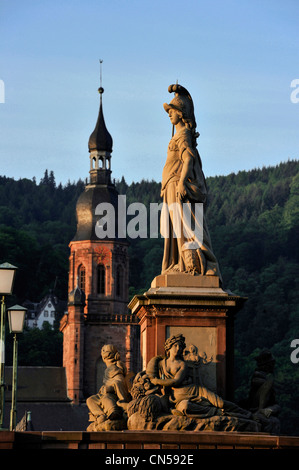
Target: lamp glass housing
7,276
16,318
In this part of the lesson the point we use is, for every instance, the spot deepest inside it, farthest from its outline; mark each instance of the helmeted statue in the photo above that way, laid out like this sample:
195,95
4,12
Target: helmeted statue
187,246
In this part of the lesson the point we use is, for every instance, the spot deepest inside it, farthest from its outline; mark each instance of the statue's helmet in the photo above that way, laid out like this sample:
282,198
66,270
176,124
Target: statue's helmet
182,102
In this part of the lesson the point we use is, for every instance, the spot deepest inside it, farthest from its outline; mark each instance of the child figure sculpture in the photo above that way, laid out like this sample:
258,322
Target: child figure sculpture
109,403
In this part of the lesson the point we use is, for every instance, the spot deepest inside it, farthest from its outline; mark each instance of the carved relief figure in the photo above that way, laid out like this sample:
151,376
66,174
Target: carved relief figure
111,400
196,362
184,185
192,354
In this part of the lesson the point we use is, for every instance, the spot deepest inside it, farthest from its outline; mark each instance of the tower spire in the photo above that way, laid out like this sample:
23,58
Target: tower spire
100,145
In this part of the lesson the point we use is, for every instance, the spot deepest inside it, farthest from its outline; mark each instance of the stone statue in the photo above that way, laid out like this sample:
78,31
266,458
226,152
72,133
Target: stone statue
165,396
261,400
187,245
185,396
108,406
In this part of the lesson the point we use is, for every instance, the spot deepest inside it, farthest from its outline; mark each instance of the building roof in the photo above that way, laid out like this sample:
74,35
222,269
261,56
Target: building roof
43,392
48,416
86,214
39,384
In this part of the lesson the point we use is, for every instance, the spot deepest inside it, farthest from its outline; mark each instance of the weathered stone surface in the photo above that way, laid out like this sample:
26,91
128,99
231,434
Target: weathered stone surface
187,423
185,280
108,425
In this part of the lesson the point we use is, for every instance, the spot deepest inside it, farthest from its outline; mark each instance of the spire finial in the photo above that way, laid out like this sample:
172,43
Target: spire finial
101,89
100,139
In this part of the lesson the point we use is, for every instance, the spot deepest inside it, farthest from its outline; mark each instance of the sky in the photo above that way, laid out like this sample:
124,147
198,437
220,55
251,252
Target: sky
237,58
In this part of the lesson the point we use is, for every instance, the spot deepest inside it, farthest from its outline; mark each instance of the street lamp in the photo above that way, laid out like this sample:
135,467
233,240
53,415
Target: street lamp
7,277
16,317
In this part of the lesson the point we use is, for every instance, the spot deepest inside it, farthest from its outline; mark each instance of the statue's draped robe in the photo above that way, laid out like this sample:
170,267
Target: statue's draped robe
189,232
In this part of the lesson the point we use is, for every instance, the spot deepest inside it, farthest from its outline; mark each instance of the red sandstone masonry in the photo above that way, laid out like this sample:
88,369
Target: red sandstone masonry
105,318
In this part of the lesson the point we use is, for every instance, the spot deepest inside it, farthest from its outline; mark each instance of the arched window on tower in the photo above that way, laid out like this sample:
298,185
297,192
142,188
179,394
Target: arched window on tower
119,281
81,277
101,279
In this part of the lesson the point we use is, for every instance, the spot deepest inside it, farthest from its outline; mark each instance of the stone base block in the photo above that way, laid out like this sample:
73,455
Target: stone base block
199,308
183,280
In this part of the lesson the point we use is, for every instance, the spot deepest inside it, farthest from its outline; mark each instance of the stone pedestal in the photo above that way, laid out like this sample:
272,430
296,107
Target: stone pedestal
200,309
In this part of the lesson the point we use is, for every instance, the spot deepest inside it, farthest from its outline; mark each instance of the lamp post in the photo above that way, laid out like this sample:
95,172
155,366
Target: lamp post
7,277
16,317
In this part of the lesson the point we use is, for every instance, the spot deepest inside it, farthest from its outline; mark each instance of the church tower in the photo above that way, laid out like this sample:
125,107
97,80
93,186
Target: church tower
98,279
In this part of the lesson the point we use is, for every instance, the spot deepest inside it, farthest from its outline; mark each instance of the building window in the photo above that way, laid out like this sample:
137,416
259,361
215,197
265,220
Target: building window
119,281
101,279
82,277
46,313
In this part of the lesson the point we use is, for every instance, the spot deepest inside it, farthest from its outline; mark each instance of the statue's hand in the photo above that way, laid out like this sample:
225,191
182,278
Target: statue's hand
181,191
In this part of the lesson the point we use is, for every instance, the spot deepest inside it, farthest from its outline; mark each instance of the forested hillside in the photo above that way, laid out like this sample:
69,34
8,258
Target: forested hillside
37,222
253,219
